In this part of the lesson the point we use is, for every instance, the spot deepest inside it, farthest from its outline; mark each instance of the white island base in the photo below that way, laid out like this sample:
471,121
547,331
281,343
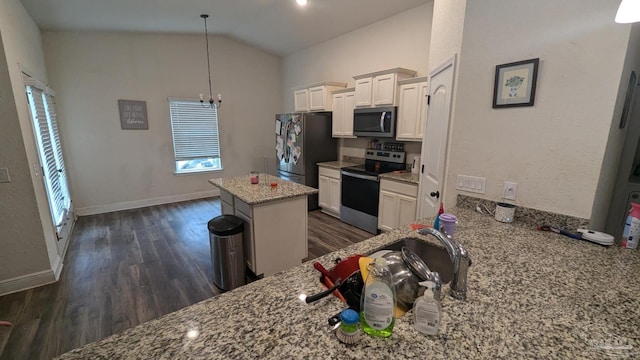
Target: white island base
275,233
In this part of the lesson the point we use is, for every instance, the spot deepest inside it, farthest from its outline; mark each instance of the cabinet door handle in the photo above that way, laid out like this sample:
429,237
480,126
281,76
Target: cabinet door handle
435,194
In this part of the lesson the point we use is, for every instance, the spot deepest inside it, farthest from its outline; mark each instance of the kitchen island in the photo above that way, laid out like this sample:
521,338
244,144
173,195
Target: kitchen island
530,294
275,216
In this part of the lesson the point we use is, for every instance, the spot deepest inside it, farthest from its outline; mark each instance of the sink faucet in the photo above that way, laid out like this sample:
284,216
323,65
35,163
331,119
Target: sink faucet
460,259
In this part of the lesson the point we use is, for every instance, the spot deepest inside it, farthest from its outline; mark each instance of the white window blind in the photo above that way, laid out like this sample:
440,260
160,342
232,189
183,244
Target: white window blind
44,116
195,135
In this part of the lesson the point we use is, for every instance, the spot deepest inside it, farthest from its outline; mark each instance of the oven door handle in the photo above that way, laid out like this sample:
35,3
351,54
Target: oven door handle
382,121
360,176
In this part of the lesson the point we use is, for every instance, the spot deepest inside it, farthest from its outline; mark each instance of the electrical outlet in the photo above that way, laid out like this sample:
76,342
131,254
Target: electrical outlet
471,184
509,190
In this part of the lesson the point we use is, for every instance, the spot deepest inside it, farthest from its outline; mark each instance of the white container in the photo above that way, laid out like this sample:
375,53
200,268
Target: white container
427,311
415,165
505,212
631,233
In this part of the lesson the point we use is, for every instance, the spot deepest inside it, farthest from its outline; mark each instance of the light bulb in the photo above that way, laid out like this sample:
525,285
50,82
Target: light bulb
628,12
301,2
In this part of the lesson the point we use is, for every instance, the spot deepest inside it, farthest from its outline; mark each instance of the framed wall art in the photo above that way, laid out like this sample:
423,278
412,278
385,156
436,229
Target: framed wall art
133,115
515,83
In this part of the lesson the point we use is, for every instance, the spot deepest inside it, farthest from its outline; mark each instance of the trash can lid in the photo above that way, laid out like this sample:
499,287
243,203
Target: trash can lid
225,225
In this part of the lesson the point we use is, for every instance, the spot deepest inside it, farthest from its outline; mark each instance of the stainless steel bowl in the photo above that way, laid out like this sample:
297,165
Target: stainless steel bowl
404,280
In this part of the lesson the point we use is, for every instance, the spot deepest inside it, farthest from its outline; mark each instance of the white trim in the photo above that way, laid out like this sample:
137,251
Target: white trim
57,267
449,62
29,281
126,205
169,98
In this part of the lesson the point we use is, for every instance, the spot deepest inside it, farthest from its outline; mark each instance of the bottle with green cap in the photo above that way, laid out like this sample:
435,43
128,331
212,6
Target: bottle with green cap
427,311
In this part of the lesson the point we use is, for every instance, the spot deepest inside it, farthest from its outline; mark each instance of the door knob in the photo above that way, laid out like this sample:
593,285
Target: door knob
435,194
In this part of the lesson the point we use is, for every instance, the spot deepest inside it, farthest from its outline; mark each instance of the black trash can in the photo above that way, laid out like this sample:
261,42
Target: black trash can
227,251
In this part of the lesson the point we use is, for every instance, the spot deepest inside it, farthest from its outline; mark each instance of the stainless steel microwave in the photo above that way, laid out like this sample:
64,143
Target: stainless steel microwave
375,122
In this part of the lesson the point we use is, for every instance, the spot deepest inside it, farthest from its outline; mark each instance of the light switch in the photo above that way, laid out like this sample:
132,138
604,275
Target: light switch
471,184
4,175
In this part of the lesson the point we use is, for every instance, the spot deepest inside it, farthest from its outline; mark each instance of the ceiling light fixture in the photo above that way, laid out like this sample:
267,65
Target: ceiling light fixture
212,103
301,2
628,12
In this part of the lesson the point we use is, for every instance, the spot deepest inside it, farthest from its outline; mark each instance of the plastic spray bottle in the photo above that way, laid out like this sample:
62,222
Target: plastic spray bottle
436,223
378,300
427,311
632,228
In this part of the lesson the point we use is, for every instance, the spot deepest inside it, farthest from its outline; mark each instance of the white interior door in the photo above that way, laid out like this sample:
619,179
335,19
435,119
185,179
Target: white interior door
434,145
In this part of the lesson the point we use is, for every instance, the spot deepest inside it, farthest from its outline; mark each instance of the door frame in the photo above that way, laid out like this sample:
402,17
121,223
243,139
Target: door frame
423,210
62,232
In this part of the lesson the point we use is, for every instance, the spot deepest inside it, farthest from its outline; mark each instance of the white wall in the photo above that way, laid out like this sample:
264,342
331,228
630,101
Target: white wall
553,150
399,41
27,239
448,23
112,168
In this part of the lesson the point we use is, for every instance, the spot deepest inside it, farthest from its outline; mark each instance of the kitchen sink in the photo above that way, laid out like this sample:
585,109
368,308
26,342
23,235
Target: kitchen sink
436,257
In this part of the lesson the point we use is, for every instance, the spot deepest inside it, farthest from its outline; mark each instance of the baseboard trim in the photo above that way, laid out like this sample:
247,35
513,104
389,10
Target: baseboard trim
100,209
57,268
30,281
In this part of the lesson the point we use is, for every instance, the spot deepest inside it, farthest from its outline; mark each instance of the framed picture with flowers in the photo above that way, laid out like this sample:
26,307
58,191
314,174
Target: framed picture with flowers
515,84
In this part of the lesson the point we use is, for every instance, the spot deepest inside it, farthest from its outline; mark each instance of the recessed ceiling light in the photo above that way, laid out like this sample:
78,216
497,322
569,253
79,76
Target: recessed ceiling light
628,12
302,2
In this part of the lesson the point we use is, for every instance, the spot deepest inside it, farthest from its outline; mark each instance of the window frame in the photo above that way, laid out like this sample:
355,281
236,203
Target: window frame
213,152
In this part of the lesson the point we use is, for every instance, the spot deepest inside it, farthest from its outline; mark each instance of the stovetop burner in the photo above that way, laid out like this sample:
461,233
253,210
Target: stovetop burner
380,161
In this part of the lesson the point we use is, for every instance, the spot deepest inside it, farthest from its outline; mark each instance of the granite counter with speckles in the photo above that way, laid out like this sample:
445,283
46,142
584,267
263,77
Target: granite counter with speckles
531,294
252,194
406,177
336,164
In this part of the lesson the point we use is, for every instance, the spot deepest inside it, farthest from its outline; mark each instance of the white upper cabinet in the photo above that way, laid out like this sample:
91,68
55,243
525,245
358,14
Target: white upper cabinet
315,97
300,100
380,88
412,109
342,119
364,87
384,90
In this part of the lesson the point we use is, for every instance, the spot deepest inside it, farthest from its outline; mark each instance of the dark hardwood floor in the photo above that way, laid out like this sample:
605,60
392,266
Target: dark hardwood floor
128,267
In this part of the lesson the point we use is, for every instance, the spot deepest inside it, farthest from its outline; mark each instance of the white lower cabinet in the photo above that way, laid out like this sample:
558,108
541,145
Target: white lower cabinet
249,248
397,204
227,203
329,191
275,233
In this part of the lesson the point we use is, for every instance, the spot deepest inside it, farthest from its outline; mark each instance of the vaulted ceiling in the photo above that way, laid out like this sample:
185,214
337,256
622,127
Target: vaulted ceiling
277,26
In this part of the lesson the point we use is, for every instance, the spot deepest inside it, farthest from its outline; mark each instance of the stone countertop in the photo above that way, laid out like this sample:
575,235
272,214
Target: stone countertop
406,177
336,164
252,194
531,294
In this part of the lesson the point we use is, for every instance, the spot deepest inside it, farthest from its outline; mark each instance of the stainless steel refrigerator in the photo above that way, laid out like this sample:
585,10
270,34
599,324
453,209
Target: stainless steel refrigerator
302,141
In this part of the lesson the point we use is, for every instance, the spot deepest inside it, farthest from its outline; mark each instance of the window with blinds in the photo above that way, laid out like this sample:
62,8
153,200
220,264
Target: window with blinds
196,142
42,106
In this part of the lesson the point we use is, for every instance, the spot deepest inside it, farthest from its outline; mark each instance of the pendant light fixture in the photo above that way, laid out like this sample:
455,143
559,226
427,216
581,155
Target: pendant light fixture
212,103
